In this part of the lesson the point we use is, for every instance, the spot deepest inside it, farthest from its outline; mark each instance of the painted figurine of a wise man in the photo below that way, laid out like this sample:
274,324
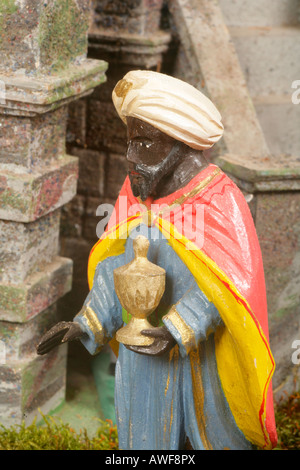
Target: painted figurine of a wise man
206,377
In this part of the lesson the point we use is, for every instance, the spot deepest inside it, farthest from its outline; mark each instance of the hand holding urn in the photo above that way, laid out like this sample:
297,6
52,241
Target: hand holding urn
139,285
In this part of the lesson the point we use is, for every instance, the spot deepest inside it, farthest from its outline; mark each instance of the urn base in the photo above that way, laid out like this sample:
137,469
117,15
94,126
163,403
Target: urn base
131,333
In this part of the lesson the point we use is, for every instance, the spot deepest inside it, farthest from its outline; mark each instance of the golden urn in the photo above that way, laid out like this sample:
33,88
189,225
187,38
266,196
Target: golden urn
139,286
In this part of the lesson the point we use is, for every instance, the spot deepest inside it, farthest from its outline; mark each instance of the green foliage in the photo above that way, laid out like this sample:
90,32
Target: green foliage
7,8
55,435
288,423
62,33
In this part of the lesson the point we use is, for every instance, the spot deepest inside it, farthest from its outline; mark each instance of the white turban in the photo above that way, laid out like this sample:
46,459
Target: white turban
171,105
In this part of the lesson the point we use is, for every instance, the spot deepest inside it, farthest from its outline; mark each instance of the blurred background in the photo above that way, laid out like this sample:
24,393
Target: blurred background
60,61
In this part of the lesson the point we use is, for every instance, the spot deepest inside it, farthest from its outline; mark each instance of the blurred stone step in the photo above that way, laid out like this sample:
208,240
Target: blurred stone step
27,248
24,197
135,50
210,54
260,12
143,18
269,58
20,302
32,142
263,174
32,384
280,120
19,340
23,95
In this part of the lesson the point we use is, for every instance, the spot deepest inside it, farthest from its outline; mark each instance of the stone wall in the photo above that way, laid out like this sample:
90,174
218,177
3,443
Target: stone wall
43,67
266,35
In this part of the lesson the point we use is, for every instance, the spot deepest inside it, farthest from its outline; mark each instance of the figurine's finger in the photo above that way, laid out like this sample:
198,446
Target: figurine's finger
159,348
44,348
139,349
160,333
49,336
156,349
154,333
49,341
73,333
58,330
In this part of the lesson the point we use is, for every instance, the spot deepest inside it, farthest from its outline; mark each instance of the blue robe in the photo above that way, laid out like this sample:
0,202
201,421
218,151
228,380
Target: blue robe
157,407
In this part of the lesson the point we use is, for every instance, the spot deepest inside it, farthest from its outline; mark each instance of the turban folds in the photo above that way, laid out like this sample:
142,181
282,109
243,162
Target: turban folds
170,105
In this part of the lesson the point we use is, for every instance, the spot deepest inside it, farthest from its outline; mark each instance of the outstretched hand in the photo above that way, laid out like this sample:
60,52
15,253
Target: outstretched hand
59,334
163,342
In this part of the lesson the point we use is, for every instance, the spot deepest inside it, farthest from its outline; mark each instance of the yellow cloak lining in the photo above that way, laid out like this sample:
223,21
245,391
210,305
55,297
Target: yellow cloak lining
244,360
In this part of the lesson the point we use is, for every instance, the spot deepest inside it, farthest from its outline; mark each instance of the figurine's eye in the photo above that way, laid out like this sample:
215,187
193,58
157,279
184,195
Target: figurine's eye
141,142
145,144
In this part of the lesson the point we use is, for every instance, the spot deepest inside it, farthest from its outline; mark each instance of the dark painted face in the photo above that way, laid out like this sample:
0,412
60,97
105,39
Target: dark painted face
151,155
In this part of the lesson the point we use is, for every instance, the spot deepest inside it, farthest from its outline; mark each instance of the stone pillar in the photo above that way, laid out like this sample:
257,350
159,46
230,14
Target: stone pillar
272,186
43,67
